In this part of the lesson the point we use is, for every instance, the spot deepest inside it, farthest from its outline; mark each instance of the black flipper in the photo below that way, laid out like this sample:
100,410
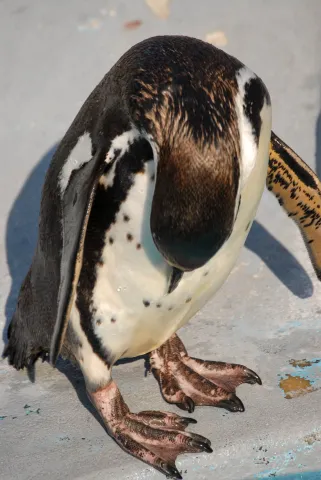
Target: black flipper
76,207
298,190
27,341
39,324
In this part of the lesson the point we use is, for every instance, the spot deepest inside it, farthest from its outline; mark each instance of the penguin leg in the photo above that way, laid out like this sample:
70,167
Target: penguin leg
156,438
189,381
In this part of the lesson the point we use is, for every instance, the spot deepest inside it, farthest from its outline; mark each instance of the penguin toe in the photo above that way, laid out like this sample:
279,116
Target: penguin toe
251,377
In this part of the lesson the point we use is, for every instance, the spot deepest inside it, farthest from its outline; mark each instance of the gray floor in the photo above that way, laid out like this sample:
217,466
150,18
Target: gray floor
52,54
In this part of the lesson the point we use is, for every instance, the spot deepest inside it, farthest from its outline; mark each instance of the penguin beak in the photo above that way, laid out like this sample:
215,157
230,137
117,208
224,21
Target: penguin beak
174,279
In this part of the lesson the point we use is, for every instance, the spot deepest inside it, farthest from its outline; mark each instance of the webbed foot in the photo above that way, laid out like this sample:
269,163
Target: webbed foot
156,438
188,381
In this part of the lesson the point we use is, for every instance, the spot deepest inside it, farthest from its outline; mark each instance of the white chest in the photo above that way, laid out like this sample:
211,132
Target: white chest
133,312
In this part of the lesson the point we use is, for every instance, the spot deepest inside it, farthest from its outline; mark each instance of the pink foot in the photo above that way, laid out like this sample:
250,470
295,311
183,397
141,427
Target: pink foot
156,438
189,381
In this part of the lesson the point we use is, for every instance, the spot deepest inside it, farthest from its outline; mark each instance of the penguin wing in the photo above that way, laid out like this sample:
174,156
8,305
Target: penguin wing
76,203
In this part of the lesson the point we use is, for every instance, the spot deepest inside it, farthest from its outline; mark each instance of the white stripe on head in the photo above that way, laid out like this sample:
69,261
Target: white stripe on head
80,154
119,146
121,143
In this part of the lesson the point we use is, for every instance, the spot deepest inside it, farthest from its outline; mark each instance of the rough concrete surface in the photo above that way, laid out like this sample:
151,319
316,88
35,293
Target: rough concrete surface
52,55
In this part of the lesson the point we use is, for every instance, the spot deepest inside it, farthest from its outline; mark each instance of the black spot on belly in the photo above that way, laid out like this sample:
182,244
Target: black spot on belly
138,246
255,94
146,303
126,218
98,322
113,320
188,299
111,240
158,305
129,237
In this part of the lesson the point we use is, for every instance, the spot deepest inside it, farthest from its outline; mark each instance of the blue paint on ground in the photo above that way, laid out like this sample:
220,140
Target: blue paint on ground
272,473
301,476
289,326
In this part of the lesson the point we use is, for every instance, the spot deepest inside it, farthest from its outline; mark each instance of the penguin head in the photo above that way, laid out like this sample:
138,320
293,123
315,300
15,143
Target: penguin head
195,202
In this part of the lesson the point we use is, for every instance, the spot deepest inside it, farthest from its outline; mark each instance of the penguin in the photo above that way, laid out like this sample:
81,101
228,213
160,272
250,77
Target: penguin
145,208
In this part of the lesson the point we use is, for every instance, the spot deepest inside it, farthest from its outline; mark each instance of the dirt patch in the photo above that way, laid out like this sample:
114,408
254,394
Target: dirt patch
303,363
314,437
295,386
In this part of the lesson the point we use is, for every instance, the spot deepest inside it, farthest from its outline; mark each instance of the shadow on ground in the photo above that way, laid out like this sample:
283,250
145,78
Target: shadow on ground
22,230
279,260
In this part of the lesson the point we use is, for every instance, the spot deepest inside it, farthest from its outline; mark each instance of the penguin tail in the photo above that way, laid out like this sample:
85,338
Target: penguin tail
25,337
20,349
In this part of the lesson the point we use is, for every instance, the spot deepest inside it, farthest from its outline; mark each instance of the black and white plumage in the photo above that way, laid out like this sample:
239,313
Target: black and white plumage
145,207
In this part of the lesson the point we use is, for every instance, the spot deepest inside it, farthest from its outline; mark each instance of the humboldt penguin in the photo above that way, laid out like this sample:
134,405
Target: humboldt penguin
145,208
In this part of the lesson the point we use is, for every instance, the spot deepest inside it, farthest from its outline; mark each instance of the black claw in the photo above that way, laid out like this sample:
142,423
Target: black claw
232,404
253,377
200,439
172,471
202,446
207,441
189,420
206,448
189,405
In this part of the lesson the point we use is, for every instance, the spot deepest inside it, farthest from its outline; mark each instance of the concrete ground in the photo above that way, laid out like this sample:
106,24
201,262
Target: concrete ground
267,314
